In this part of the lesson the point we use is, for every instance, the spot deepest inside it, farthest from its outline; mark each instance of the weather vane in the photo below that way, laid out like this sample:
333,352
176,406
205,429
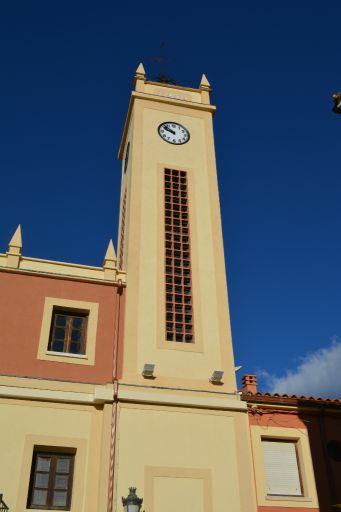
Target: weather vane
337,103
161,61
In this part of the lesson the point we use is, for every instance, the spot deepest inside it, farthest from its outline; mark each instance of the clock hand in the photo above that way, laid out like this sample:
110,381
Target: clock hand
169,130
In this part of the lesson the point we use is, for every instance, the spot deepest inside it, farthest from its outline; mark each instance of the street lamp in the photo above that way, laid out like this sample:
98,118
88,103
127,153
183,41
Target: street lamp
132,503
337,103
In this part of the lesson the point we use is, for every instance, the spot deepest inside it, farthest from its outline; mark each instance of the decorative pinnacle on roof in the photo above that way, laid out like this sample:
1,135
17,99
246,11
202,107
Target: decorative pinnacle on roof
140,72
139,77
205,84
15,244
110,254
14,249
110,260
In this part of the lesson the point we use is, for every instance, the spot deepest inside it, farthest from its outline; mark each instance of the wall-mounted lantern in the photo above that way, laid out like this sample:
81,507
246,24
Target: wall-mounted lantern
337,103
3,505
132,503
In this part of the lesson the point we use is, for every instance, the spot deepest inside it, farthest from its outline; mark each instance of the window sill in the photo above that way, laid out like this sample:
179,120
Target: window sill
66,354
288,498
47,509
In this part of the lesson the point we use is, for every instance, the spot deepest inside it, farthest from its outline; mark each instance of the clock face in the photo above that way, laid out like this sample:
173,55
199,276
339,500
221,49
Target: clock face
174,133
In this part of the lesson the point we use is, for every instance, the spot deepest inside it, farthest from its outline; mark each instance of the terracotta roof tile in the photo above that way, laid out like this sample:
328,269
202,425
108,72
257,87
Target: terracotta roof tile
273,397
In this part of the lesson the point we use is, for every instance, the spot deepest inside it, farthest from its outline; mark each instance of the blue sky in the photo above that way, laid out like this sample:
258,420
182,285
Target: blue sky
66,76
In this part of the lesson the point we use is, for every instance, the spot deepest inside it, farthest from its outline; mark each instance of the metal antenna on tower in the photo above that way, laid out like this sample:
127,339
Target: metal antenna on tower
161,61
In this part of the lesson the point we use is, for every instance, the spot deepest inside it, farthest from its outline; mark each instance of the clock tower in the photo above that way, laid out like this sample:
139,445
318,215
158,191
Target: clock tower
182,431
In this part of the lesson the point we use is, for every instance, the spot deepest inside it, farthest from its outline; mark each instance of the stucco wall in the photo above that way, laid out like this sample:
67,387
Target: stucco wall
26,424
181,364
184,459
22,299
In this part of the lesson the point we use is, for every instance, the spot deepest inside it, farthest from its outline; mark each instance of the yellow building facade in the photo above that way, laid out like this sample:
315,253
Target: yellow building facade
53,421
123,375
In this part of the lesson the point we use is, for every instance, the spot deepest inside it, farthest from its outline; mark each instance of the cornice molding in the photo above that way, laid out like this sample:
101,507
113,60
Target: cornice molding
203,402
62,270
100,395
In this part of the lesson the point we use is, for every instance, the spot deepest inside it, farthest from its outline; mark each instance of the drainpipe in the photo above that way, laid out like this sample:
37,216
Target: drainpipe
114,405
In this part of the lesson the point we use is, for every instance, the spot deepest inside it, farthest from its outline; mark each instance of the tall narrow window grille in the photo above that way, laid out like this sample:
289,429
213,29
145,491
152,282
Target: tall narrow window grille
179,308
123,220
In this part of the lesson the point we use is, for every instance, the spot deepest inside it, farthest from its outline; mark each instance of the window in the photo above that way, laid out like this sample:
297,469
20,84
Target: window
51,480
74,335
68,332
282,474
179,309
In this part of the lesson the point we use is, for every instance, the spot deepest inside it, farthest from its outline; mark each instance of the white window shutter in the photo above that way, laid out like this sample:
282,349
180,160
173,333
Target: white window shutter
281,468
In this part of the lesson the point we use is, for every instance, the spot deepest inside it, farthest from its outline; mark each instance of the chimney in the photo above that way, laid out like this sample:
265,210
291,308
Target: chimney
249,384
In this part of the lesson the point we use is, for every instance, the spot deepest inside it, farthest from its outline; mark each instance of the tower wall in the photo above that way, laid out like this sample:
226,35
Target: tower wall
182,439
180,364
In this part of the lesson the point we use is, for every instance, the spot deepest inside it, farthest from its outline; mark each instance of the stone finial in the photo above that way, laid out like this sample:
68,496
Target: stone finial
249,384
15,244
140,71
205,84
14,249
205,88
110,261
140,77
110,255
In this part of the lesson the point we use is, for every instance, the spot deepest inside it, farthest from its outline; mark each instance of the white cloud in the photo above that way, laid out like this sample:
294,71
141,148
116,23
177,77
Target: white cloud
319,374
